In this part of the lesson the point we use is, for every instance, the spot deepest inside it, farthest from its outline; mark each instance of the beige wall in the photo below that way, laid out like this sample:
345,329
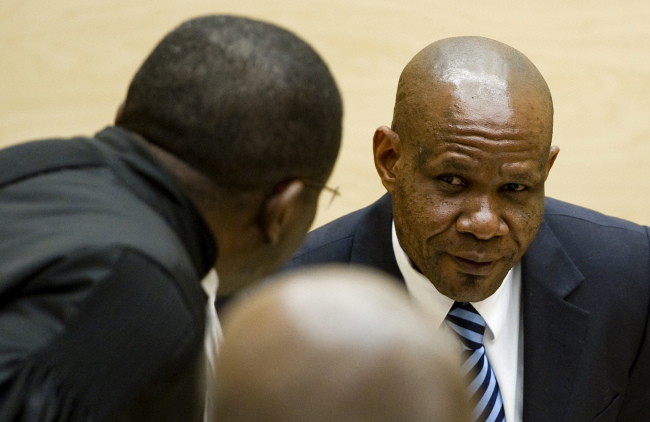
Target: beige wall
65,66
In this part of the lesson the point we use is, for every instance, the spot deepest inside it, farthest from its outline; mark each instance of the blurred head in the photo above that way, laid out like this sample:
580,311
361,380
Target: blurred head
466,160
335,344
248,116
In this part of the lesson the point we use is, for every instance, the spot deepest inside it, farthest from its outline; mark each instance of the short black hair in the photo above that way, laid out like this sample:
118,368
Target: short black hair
245,102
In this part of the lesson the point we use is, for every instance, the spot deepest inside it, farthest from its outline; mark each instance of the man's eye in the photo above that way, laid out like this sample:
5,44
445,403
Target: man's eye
515,187
452,180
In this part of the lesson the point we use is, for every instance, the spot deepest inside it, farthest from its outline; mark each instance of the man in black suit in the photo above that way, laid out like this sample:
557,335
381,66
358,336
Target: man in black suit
564,291
110,243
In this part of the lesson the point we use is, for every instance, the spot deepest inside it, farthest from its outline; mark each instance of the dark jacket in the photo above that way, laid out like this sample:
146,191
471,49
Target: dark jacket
101,308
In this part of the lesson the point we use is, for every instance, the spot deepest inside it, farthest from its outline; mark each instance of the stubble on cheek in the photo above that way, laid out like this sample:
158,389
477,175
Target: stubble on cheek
530,220
410,215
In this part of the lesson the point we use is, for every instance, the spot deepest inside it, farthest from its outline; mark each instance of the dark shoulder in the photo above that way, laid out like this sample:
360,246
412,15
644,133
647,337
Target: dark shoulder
574,219
597,240
333,242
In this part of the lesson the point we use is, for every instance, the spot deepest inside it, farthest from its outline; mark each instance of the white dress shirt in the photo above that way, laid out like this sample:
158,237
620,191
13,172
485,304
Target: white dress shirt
213,336
504,333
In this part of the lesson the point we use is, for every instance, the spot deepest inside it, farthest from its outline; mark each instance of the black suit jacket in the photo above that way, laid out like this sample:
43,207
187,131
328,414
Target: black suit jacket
585,299
101,308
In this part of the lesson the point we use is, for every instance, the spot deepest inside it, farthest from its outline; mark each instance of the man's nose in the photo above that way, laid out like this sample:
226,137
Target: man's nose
482,218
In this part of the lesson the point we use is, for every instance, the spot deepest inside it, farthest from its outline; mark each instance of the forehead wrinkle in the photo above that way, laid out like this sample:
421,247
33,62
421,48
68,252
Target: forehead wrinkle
472,144
464,159
498,133
462,117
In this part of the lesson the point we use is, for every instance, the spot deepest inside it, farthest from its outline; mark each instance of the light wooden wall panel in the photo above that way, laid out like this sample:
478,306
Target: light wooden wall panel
65,66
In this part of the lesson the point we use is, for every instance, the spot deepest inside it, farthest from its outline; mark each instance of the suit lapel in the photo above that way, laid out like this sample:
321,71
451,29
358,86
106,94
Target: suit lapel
554,329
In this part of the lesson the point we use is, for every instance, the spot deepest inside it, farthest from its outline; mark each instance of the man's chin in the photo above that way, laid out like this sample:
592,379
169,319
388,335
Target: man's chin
470,288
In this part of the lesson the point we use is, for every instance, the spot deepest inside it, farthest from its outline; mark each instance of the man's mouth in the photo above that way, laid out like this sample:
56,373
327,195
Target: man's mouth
474,265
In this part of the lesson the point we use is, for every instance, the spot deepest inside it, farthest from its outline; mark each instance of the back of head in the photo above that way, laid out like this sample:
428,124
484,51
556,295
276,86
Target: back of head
335,344
246,103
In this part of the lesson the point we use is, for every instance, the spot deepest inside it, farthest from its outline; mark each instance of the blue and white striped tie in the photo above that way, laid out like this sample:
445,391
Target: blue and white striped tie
483,388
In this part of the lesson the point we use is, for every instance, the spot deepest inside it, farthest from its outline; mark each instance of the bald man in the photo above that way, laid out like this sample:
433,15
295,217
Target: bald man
562,292
335,344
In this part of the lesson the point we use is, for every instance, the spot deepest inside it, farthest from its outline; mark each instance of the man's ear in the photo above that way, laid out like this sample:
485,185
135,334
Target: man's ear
280,209
386,148
552,155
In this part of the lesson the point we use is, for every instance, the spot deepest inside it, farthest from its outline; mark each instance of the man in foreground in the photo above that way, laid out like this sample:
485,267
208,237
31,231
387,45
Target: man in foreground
561,293
228,132
335,344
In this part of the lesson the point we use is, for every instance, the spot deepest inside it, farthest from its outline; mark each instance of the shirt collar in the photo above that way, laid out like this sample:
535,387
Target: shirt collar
210,285
494,309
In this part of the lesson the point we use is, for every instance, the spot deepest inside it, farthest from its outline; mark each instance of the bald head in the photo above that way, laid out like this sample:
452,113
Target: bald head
335,344
474,69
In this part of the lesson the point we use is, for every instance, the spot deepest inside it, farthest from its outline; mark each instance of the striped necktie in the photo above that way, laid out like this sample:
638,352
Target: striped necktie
483,388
